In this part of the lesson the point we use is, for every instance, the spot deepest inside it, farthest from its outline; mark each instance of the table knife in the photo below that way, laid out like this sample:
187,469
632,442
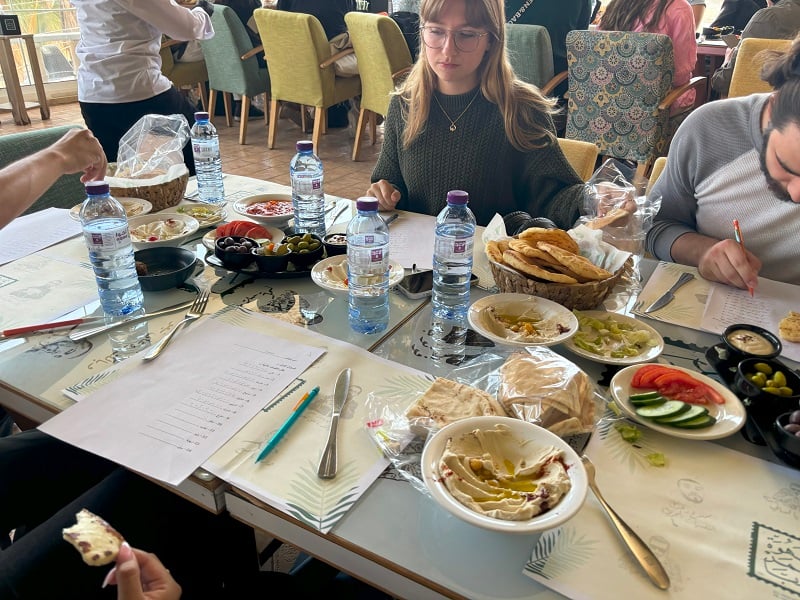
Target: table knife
81,334
669,295
327,464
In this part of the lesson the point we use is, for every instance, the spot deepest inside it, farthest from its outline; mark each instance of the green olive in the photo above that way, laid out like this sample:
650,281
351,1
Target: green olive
763,368
759,379
772,390
314,245
786,391
779,378
302,245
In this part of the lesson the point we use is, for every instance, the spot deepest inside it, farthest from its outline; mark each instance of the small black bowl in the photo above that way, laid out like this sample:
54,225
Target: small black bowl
335,244
788,441
240,256
759,400
165,267
270,263
302,258
734,336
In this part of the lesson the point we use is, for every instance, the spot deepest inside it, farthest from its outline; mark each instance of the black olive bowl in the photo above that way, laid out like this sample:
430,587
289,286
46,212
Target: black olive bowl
757,399
239,258
302,259
270,263
166,267
789,442
738,354
333,245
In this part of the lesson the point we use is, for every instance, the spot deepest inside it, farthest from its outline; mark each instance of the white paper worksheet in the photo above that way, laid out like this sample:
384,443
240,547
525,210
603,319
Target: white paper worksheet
51,226
166,417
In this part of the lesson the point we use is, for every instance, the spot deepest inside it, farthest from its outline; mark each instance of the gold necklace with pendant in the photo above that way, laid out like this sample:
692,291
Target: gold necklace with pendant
453,121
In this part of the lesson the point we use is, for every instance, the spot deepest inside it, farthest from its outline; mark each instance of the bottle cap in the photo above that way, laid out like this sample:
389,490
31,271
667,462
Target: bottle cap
367,203
305,146
96,188
201,116
457,197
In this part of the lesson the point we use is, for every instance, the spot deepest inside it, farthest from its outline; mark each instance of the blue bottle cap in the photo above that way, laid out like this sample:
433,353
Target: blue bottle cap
367,203
201,116
305,146
96,188
457,197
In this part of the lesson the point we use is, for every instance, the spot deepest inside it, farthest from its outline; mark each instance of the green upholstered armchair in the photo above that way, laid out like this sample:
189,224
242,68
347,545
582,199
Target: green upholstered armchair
620,94
232,66
301,67
68,190
192,73
531,54
383,58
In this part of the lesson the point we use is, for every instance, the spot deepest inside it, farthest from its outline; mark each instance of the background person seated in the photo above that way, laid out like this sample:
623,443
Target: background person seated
737,13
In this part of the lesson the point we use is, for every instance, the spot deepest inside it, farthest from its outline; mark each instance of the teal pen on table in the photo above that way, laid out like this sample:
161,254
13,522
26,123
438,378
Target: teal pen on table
296,412
737,233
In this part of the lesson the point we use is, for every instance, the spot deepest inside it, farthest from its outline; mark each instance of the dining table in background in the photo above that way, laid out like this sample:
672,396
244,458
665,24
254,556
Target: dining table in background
395,537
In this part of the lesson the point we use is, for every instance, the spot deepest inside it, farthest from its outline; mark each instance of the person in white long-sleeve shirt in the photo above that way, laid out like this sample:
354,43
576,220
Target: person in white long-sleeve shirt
119,78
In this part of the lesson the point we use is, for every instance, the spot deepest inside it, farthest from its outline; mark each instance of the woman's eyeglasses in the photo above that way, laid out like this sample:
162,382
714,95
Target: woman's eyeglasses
465,39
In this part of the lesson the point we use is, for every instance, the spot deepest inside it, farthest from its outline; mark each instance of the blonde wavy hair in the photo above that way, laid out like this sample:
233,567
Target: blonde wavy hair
522,105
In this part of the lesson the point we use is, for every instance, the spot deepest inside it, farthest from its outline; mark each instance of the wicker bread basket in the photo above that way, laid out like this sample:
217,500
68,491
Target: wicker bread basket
580,296
161,195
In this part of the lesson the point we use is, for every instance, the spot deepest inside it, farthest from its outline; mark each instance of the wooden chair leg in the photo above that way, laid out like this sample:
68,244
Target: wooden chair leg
212,103
273,122
319,126
226,99
303,119
642,171
373,126
201,91
359,132
243,119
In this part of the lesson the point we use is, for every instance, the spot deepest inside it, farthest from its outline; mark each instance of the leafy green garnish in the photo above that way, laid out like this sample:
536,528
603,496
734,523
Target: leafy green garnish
630,433
657,459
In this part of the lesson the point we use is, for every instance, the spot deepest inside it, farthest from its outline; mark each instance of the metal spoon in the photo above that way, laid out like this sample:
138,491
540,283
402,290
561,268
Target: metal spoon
643,555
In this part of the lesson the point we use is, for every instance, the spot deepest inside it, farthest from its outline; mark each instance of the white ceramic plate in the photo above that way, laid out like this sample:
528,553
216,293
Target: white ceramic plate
563,511
190,225
206,214
730,416
322,277
134,207
646,355
277,236
240,207
548,310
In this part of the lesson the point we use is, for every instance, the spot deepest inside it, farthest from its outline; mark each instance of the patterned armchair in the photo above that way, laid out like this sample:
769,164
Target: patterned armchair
620,94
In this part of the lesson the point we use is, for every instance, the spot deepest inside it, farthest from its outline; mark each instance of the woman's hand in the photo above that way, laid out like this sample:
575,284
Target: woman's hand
725,262
140,575
388,196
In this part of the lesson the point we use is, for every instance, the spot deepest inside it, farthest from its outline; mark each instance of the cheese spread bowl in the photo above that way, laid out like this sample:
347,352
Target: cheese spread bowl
516,460
161,229
744,340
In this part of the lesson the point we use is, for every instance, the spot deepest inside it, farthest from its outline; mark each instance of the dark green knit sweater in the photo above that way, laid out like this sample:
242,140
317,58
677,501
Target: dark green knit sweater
478,159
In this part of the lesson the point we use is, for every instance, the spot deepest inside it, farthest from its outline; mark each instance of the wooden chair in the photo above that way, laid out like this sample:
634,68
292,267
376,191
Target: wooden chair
192,73
746,76
581,155
383,59
620,94
301,68
658,168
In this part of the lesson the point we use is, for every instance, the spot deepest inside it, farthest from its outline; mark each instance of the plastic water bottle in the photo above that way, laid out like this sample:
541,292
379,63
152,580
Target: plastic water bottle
308,196
105,230
452,257
368,269
207,161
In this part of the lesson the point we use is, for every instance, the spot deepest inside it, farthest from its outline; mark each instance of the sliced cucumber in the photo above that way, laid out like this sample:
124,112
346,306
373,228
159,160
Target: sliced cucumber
665,409
648,401
687,415
696,423
644,396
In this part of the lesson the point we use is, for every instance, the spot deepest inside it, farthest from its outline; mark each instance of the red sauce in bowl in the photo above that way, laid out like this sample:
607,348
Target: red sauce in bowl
270,208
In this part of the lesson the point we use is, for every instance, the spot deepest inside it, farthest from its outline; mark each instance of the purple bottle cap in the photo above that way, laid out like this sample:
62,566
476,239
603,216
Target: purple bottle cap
305,146
367,203
201,116
96,188
457,197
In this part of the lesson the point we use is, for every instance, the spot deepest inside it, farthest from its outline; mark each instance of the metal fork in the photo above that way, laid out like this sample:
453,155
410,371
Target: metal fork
195,312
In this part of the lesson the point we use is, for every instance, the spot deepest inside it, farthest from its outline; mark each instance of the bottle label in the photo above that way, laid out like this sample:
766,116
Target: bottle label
107,241
447,247
307,186
375,260
205,150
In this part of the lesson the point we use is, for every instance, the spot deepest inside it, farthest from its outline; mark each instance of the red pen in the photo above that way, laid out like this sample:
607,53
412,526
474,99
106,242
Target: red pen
737,233
56,325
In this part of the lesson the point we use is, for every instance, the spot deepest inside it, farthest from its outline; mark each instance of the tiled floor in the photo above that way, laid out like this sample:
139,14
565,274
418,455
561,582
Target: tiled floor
343,177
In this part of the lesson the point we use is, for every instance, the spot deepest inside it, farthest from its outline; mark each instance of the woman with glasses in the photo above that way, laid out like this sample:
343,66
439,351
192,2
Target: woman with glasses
462,120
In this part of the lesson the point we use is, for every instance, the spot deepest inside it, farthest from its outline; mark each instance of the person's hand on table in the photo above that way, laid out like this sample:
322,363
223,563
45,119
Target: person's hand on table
139,575
78,151
725,262
388,196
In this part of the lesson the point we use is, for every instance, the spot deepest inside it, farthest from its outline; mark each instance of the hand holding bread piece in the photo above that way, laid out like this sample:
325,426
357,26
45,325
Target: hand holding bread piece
96,540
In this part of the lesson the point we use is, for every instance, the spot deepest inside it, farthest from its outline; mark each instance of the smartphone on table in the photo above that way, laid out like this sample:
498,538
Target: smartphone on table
419,284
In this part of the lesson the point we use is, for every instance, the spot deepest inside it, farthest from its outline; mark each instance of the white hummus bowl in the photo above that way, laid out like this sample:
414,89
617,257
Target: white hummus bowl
569,505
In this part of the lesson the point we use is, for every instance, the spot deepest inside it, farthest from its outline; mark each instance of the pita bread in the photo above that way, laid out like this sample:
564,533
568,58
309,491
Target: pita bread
789,327
575,262
447,401
94,538
557,237
526,266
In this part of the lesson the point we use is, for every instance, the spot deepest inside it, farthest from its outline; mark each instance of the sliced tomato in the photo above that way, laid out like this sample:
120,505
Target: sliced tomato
644,377
258,233
223,230
241,227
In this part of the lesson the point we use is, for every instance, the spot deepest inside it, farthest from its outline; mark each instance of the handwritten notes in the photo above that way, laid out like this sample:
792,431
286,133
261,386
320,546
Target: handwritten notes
167,417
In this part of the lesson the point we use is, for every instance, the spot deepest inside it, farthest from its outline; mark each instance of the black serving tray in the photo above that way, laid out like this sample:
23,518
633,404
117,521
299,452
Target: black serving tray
252,271
758,427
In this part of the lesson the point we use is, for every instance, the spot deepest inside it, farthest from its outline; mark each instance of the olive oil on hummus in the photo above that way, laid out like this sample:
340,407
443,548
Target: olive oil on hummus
497,475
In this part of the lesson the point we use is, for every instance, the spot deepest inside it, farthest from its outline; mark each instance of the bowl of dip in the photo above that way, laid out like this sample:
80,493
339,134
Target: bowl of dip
504,474
273,209
161,229
744,340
